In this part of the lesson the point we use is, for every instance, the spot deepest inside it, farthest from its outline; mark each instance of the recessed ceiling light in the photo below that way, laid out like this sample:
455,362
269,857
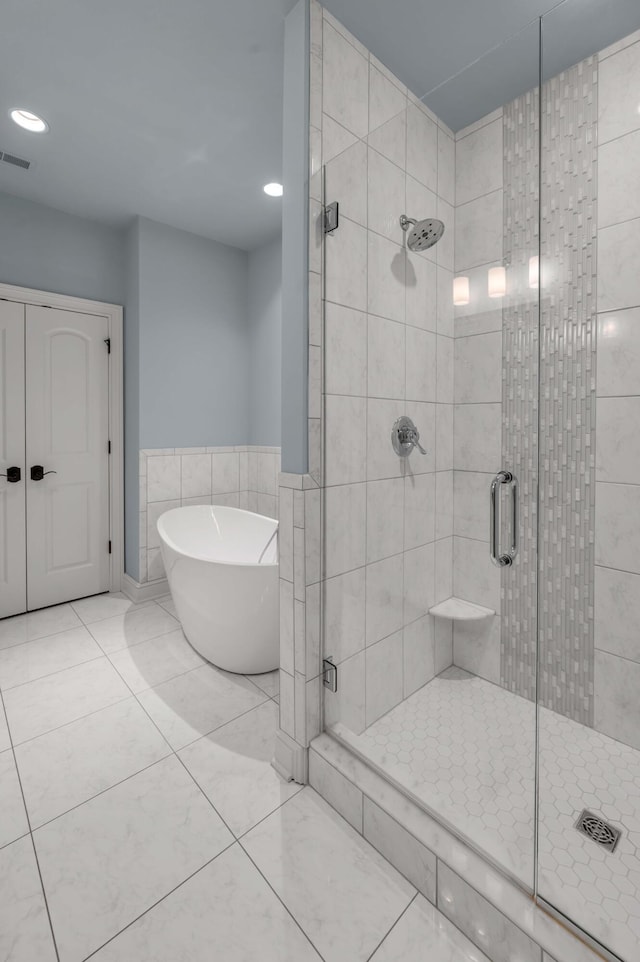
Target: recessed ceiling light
29,121
273,190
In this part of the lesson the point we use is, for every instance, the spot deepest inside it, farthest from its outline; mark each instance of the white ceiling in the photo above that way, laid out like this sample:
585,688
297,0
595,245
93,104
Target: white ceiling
173,110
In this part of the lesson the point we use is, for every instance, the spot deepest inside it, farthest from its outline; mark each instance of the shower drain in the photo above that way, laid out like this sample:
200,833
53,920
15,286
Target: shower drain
597,829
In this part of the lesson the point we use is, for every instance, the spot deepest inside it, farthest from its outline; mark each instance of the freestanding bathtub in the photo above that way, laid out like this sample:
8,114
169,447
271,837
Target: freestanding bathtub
222,568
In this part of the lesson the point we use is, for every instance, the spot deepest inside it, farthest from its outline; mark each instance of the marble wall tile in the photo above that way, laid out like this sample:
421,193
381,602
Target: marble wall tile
478,168
345,439
384,598
444,504
488,928
444,437
444,570
195,475
419,582
341,794
386,196
618,83
421,291
422,148
446,369
443,650
346,182
618,370
478,368
471,504
445,325
479,231
387,97
405,852
386,278
477,437
616,706
163,478
390,139
384,673
344,614
346,265
418,654
618,440
154,510
617,612
420,500
345,69
476,648
446,167
385,507
617,535
347,705
618,277
618,185
421,365
475,578
345,528
382,461
385,358
345,351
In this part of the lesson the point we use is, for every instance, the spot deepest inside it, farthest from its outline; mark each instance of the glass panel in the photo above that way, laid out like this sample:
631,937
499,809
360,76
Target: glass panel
435,645
589,645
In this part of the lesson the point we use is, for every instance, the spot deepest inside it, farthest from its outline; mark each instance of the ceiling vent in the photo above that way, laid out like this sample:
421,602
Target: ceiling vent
14,161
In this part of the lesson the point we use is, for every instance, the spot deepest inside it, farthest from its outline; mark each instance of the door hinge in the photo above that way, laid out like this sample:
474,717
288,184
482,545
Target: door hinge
109,547
107,341
331,217
329,674
108,447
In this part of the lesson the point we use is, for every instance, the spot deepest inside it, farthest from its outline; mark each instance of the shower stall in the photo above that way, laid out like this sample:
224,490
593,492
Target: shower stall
480,578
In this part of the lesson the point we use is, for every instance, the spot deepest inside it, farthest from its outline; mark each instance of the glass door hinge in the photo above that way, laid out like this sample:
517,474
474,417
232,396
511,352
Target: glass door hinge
329,674
331,217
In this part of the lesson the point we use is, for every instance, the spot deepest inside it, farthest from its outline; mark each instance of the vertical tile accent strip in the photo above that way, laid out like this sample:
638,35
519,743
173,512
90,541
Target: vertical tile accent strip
568,392
520,367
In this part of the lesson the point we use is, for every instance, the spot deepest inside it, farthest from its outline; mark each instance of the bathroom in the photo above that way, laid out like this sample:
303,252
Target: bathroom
432,749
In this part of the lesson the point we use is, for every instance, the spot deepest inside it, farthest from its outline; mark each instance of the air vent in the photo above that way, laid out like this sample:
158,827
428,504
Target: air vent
14,161
598,830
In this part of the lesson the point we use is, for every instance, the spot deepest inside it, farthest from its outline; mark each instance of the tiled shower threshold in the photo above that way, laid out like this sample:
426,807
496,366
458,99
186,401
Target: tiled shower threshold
463,751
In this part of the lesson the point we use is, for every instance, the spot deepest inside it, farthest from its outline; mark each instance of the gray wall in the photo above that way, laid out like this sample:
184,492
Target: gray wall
48,250
295,221
265,343
193,340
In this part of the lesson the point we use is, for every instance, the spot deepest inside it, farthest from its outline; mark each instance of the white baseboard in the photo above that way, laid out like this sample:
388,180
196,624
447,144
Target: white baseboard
144,592
290,760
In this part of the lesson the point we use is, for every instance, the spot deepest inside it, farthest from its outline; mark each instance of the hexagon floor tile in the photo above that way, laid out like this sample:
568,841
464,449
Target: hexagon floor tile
466,749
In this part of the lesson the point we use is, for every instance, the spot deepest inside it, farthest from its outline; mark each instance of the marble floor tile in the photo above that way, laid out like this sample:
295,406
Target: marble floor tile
343,894
5,741
227,904
424,935
233,768
111,859
13,818
152,662
24,663
45,704
25,934
196,703
166,602
37,624
67,766
269,682
132,628
109,605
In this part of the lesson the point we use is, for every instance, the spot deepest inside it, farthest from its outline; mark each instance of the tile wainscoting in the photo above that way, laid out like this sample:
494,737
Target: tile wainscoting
245,476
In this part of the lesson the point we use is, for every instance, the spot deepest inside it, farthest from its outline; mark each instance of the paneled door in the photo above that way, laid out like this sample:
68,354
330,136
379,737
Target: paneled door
67,463
13,571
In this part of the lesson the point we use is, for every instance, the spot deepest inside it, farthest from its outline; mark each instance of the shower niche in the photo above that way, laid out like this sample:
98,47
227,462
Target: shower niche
478,586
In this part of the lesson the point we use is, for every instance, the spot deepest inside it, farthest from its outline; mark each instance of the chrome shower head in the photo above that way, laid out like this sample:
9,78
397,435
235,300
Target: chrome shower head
423,233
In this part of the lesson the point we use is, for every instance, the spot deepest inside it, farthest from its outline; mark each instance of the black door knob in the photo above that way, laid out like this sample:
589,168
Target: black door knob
38,472
13,475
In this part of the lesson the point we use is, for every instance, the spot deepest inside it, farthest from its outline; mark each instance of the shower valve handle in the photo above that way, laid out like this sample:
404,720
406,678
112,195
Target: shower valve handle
405,437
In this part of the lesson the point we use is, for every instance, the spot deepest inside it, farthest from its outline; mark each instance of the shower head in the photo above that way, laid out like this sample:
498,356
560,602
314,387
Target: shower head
423,233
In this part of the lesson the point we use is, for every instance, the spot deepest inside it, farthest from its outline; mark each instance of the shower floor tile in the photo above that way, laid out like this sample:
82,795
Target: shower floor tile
466,749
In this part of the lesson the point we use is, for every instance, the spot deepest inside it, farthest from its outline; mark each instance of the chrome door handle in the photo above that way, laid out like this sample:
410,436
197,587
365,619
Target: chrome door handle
499,559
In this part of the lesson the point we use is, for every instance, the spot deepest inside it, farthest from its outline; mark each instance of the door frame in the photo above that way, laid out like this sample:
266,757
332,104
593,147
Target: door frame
114,315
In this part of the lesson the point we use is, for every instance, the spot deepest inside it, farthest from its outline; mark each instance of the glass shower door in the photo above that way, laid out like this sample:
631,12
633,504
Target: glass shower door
434,644
589,643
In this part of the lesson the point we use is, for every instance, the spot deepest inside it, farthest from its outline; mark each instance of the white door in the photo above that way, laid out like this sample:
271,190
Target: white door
13,572
67,423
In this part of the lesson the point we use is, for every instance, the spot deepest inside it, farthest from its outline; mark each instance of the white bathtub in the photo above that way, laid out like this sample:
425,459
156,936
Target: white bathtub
224,583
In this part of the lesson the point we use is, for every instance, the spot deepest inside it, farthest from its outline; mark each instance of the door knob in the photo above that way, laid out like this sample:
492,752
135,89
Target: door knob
38,472
13,475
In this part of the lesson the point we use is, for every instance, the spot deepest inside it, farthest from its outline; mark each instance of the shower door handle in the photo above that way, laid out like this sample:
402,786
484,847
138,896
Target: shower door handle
499,559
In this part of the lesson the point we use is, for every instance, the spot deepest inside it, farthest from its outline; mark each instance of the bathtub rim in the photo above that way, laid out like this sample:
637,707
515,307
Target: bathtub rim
215,561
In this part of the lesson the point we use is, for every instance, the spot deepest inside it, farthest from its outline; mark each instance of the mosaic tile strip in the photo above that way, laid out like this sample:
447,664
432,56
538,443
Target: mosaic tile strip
568,393
520,367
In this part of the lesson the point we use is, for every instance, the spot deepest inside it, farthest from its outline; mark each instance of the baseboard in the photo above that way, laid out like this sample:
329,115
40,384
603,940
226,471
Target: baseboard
290,760
144,592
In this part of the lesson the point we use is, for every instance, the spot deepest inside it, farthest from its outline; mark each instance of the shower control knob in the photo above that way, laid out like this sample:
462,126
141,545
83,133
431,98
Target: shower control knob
405,437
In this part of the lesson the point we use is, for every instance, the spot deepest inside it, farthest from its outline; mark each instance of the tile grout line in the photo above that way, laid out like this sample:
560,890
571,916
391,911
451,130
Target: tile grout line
30,832
401,916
